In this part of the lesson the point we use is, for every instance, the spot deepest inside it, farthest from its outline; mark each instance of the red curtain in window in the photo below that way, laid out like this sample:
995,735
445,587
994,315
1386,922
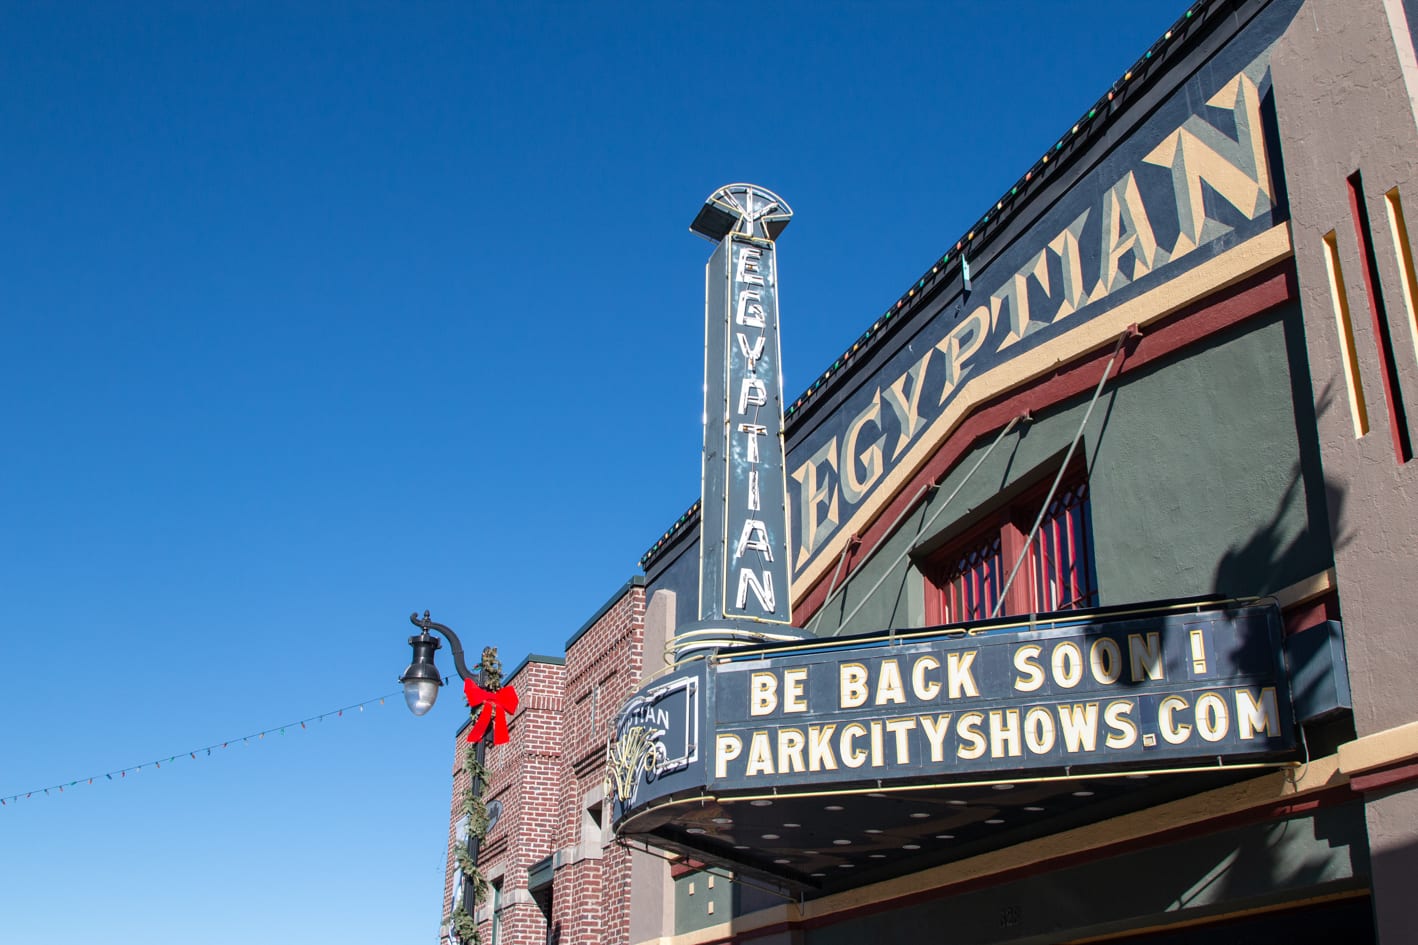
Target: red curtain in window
1057,572
973,582
1059,562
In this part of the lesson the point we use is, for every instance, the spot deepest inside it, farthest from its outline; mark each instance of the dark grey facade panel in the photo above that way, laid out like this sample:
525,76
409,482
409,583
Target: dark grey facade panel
678,571
1319,672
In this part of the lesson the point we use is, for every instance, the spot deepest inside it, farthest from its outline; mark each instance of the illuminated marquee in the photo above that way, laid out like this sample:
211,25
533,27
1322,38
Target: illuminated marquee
1072,693
1077,694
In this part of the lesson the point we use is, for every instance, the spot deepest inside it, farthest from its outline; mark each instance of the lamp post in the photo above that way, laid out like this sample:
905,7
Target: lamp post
422,680
421,684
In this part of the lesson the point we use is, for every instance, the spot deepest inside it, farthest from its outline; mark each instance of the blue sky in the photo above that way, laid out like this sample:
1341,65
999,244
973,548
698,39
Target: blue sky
317,314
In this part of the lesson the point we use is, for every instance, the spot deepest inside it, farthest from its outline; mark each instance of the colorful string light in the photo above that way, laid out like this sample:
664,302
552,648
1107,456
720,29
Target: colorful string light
680,522
157,763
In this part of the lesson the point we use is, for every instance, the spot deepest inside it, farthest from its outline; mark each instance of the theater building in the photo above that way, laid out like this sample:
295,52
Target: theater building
1072,602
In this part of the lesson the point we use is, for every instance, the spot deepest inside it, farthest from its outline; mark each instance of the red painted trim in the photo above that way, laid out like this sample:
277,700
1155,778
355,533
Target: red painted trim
684,867
1383,343
1191,324
1312,613
1387,778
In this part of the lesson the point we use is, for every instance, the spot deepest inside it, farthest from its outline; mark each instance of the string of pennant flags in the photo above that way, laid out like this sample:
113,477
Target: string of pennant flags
194,754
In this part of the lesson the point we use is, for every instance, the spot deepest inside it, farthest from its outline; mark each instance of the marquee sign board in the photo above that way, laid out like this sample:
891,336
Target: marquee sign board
1072,693
744,546
1156,690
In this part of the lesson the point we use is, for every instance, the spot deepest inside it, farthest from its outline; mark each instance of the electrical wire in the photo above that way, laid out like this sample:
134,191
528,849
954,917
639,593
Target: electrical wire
1063,468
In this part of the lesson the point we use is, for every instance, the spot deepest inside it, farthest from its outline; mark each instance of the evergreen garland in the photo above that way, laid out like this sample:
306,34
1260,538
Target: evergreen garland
465,923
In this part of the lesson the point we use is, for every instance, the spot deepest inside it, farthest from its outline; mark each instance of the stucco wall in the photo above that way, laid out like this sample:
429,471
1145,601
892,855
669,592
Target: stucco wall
1356,114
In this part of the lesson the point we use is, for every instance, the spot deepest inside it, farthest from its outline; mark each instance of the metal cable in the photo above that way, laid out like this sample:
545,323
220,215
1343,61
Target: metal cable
912,546
1063,468
832,588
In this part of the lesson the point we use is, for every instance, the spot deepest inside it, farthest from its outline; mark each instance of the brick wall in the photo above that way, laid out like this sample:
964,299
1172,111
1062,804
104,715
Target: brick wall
550,780
592,885
522,776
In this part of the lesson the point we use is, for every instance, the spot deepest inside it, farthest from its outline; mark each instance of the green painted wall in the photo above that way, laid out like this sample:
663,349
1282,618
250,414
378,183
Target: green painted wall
711,898
702,899
1204,472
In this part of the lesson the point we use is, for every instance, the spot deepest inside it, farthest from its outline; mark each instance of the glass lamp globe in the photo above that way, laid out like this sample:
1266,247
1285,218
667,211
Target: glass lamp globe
421,679
420,694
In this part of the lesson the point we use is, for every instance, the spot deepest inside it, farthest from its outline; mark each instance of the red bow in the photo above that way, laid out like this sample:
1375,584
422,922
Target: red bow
497,705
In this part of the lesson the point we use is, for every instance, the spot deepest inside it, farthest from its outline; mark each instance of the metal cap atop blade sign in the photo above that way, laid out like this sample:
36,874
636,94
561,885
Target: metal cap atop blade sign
743,563
745,209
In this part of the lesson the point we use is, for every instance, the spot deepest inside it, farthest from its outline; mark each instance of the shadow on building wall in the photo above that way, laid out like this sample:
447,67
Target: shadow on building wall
1276,556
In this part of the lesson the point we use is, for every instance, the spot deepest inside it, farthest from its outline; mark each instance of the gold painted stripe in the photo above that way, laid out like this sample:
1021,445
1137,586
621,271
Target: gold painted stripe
1404,250
1316,585
1379,749
1344,325
948,785
701,799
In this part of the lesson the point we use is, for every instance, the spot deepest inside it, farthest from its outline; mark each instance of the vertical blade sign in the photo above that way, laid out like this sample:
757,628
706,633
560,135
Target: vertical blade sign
743,543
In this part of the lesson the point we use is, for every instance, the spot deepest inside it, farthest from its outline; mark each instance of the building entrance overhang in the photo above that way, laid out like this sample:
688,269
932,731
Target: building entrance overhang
833,762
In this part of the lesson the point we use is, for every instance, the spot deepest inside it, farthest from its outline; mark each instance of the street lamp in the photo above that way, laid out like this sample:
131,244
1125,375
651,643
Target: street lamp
421,684
422,680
